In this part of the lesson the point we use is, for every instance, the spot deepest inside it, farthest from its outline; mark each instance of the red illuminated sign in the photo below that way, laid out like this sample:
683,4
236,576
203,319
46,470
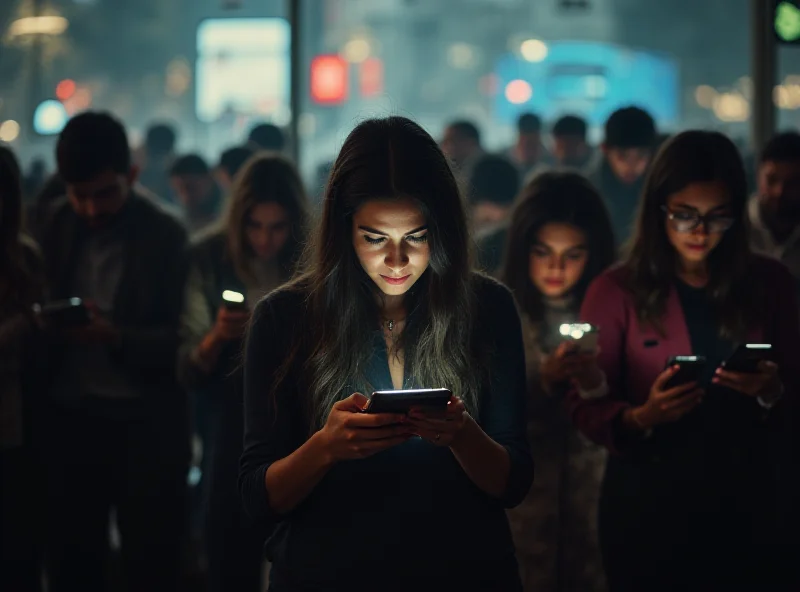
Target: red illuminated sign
329,80
371,77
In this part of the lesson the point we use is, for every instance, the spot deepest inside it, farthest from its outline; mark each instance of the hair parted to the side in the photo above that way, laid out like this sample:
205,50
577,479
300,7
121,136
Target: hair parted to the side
266,178
562,198
693,157
386,159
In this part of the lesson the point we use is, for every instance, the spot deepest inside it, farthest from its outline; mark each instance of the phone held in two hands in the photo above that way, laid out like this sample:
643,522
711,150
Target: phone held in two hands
584,335
401,401
745,359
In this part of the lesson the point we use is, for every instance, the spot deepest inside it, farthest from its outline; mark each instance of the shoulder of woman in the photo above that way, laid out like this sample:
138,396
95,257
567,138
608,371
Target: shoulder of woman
286,305
489,290
612,282
208,245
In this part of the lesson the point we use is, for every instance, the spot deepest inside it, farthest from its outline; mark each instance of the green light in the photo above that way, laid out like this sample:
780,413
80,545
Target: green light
787,21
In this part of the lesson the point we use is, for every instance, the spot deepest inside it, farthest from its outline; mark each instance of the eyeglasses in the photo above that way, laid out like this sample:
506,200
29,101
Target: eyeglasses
687,221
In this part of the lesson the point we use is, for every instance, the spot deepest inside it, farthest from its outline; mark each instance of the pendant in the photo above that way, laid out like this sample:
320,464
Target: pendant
390,325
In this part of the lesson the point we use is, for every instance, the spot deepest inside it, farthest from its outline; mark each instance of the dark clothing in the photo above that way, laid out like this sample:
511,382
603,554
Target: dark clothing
234,541
492,249
406,515
128,453
692,505
622,201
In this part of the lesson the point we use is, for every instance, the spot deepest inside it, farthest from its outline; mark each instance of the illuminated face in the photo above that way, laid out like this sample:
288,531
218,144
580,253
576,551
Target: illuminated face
779,189
628,164
696,218
99,199
558,259
267,229
390,238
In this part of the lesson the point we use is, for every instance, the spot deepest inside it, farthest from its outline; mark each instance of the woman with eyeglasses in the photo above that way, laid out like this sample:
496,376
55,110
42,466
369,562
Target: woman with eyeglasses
387,501
689,489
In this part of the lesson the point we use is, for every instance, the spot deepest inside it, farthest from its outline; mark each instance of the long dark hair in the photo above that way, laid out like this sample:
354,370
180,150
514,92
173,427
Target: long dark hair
17,285
265,178
564,198
687,158
387,159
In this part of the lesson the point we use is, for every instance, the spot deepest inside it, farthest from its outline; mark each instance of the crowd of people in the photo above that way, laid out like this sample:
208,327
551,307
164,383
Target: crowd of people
158,313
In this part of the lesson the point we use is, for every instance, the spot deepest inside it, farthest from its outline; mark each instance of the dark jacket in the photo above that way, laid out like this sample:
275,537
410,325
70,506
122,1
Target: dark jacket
149,299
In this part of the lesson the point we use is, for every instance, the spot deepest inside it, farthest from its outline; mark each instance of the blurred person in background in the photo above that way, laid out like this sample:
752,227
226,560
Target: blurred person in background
198,193
157,155
252,252
33,181
492,188
21,486
775,210
230,162
461,144
267,136
36,212
689,496
385,501
528,151
570,148
559,240
630,136
118,435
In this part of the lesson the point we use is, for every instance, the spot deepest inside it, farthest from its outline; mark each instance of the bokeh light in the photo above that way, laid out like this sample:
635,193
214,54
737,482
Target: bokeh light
9,131
533,50
518,92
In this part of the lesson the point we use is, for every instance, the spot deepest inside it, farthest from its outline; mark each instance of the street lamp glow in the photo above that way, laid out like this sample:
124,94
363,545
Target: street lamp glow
9,131
533,50
357,50
38,25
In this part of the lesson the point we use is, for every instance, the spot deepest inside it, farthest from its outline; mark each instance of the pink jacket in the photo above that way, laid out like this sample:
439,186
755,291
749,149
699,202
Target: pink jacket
632,356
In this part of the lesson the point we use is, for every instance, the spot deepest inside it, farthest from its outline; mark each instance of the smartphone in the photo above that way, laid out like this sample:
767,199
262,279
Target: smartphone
401,401
747,357
64,313
583,334
690,370
233,300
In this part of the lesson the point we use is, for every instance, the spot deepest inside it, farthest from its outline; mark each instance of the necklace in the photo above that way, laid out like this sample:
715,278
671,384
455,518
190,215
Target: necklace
390,323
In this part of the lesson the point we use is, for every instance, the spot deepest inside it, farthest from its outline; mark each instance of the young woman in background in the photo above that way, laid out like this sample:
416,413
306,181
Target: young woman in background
559,240
253,252
689,486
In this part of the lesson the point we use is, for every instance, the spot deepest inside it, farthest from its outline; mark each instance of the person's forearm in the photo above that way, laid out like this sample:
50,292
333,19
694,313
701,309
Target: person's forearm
206,355
484,461
290,480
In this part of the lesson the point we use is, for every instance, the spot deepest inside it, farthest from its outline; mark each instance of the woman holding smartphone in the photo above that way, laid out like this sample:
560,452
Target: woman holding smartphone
560,239
689,487
253,251
388,301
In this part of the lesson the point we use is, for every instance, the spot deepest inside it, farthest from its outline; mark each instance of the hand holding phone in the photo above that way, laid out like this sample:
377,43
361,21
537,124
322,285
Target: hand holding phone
583,337
232,317
665,403
402,401
749,371
350,434
72,312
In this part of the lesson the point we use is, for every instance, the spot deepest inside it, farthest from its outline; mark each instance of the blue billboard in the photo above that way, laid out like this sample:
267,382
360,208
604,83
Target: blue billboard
588,79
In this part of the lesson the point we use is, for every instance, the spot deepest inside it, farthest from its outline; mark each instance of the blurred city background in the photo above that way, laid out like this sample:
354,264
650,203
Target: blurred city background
214,68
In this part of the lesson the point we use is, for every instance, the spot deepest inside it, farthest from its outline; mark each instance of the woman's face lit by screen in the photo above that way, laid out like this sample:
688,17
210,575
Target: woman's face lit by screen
390,238
558,259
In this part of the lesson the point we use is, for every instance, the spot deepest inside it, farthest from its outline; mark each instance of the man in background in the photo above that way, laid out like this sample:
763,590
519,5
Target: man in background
157,156
570,148
528,152
267,136
775,210
630,137
118,422
461,144
198,193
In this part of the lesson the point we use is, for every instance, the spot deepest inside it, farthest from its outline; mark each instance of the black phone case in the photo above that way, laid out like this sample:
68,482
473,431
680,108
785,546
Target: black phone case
688,372
65,314
746,360
388,402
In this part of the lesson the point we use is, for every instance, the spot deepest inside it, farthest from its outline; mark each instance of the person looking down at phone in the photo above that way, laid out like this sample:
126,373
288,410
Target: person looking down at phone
119,431
689,485
388,300
249,254
560,239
